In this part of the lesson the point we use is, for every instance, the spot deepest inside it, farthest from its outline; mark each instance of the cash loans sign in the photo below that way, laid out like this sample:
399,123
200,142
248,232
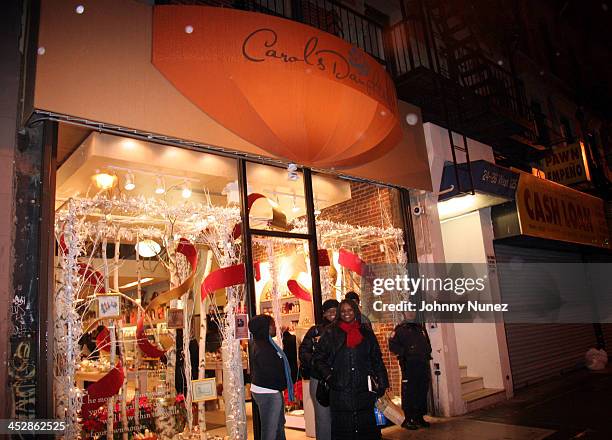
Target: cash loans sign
549,210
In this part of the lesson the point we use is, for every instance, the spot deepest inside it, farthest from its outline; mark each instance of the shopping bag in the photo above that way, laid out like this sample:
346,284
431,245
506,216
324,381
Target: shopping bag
381,420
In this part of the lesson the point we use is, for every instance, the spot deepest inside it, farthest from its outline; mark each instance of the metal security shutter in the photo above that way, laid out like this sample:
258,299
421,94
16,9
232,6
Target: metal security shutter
540,351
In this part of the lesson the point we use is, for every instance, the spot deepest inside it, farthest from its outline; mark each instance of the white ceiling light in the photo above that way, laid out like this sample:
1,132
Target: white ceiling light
129,181
79,9
160,187
294,208
186,192
148,248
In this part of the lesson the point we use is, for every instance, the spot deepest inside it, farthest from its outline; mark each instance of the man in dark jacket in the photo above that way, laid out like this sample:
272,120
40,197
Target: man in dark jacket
348,357
409,341
270,375
307,350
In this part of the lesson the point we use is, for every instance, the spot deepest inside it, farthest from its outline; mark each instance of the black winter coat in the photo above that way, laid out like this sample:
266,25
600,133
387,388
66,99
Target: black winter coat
349,368
307,350
409,341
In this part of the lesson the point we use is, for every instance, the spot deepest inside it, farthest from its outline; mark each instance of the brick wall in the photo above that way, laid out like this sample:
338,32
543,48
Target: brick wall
364,209
382,332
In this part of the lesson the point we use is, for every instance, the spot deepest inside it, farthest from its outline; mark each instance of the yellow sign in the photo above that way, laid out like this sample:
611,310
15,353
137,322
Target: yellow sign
549,210
567,165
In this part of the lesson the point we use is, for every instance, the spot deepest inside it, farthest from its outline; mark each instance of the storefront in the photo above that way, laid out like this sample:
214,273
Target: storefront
549,236
178,199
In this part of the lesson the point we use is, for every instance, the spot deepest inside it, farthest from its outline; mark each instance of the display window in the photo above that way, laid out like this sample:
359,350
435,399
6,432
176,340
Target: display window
145,327
360,224
154,287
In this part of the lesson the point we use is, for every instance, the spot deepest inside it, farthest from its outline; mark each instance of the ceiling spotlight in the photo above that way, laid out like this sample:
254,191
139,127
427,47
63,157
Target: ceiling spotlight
160,187
104,181
186,192
79,9
148,248
294,207
188,29
129,181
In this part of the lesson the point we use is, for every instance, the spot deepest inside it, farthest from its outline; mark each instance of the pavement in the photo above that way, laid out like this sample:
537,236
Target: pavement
573,406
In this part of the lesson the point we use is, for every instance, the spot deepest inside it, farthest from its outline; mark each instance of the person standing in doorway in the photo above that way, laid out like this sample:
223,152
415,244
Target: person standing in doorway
353,296
307,351
410,342
270,376
349,360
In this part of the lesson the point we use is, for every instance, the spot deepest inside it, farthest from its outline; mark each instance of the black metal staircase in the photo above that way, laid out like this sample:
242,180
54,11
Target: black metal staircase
438,65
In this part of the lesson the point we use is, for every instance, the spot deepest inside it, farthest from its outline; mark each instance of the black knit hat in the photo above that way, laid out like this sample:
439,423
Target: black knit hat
330,304
259,326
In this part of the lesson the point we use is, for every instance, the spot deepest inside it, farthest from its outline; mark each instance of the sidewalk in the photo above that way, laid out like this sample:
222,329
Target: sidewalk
574,406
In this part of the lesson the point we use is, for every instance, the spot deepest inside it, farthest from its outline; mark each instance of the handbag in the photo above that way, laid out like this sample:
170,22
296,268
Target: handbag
323,393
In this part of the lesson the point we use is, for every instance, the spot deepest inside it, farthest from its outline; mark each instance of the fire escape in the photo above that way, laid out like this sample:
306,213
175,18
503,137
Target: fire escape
438,65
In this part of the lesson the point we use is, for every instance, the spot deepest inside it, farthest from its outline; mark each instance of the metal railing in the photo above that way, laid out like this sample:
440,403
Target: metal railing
327,15
412,46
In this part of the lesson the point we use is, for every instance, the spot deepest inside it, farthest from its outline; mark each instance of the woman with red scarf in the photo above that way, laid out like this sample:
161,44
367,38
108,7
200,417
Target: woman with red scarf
348,357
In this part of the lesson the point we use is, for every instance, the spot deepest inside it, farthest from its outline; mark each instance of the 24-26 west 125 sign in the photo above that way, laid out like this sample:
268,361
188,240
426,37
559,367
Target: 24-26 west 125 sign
295,91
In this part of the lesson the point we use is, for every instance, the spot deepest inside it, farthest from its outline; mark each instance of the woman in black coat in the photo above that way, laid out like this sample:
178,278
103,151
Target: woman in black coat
348,357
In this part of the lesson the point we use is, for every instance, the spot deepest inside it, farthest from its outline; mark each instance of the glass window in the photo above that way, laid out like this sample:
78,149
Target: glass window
140,228
276,195
363,222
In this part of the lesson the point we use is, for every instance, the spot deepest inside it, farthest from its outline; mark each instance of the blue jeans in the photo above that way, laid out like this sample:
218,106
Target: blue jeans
271,415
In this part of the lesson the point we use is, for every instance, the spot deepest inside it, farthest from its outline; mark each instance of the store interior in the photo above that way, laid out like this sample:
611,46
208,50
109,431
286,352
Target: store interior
150,299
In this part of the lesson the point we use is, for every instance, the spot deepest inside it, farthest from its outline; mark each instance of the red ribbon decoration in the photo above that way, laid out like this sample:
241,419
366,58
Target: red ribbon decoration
351,261
298,291
143,342
90,276
221,278
323,257
103,340
237,232
99,392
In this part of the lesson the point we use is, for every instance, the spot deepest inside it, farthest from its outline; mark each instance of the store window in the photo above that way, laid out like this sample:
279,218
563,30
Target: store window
362,222
146,342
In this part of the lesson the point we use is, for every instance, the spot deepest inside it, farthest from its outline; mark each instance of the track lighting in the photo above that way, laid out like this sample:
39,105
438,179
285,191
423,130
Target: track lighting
104,181
129,181
294,206
186,192
160,187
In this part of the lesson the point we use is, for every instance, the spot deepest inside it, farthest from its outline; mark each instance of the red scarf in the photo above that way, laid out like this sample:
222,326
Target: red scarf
353,334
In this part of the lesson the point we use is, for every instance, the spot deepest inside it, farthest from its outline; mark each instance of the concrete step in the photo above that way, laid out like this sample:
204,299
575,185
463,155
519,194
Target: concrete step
483,397
463,370
470,384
